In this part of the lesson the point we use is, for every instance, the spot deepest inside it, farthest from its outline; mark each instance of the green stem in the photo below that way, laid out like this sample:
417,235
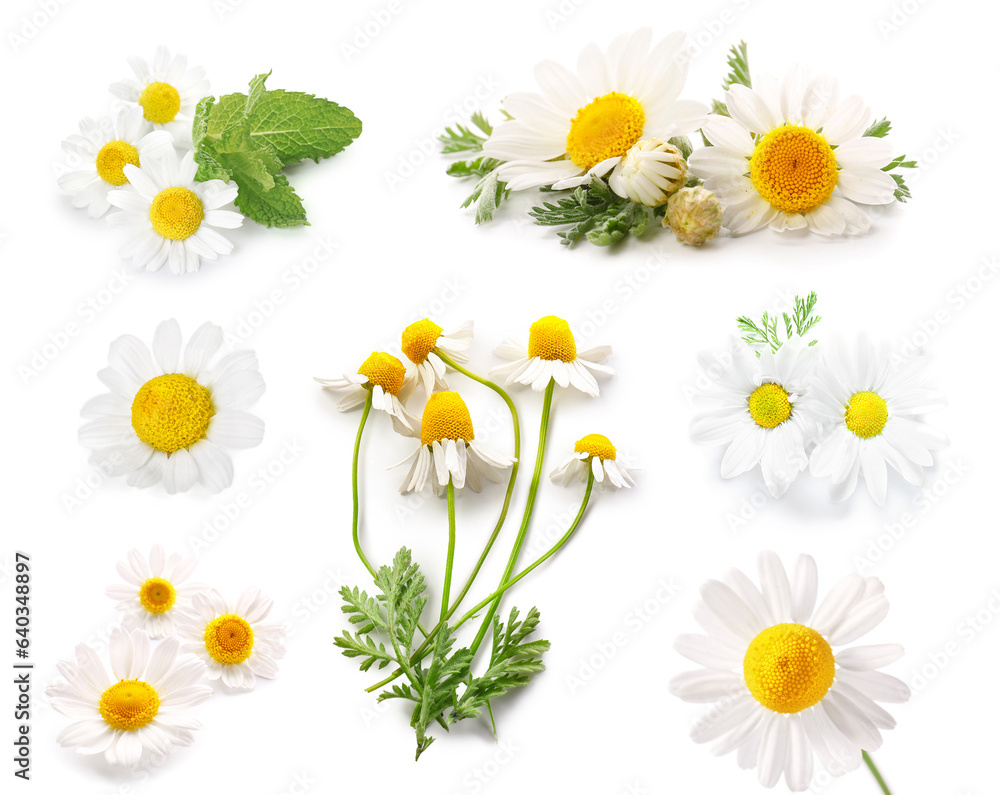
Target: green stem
874,770
450,559
354,484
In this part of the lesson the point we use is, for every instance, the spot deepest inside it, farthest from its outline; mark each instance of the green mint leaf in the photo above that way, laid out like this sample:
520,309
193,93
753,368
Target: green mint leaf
878,129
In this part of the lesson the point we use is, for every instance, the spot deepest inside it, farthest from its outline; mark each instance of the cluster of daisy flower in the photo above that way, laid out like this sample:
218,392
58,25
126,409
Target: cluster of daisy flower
781,153
841,409
175,637
449,458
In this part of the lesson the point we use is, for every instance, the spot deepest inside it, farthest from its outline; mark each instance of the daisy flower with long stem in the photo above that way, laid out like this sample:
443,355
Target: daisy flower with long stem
784,682
425,343
137,710
596,455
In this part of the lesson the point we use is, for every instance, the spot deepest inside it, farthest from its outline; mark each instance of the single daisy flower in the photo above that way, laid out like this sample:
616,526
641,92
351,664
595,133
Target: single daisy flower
783,682
385,377
154,589
551,354
169,417
166,91
594,453
103,155
583,124
872,409
421,343
449,450
170,217
137,710
792,156
233,640
761,409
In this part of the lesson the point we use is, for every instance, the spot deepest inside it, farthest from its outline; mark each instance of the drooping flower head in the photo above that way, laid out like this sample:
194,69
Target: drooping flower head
421,342
386,378
594,453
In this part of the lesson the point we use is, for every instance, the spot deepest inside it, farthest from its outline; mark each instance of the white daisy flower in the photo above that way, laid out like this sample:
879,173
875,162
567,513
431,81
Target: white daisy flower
449,450
781,691
103,153
551,353
872,408
170,217
155,589
232,639
762,410
792,156
421,342
594,453
139,709
170,417
385,377
166,91
583,124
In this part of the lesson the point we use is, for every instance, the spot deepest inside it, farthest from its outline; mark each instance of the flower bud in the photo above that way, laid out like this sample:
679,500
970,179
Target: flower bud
650,173
694,215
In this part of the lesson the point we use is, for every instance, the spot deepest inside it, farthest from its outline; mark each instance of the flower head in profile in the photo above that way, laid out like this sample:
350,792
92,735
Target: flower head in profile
449,451
424,340
172,414
386,379
138,710
784,682
551,354
595,454
155,589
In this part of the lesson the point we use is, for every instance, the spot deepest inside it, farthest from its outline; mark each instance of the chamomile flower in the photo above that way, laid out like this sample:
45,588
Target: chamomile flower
167,91
421,342
155,588
584,123
594,453
551,354
385,377
760,408
170,417
449,450
137,710
872,408
783,682
793,156
170,217
103,151
232,639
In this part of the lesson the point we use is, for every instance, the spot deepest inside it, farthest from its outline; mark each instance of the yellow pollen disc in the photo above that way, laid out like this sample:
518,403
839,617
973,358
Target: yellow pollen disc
788,667
384,370
419,339
229,639
866,414
129,704
113,158
171,412
593,444
769,405
445,417
794,169
550,338
160,102
607,127
176,213
157,595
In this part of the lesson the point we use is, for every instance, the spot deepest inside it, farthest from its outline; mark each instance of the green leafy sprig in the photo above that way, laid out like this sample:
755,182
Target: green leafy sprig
880,129
593,212
490,191
739,74
765,332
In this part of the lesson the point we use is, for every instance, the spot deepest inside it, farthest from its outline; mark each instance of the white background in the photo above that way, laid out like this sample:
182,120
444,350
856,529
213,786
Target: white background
402,249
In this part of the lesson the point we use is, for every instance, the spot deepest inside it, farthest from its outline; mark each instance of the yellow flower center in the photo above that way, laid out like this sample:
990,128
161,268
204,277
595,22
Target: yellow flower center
788,667
419,339
866,414
157,595
160,102
794,169
769,405
445,417
129,704
113,158
229,639
607,127
384,370
171,412
593,444
176,213
550,338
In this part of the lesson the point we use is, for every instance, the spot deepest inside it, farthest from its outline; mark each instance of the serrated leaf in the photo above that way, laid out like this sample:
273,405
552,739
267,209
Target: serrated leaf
878,129
280,206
